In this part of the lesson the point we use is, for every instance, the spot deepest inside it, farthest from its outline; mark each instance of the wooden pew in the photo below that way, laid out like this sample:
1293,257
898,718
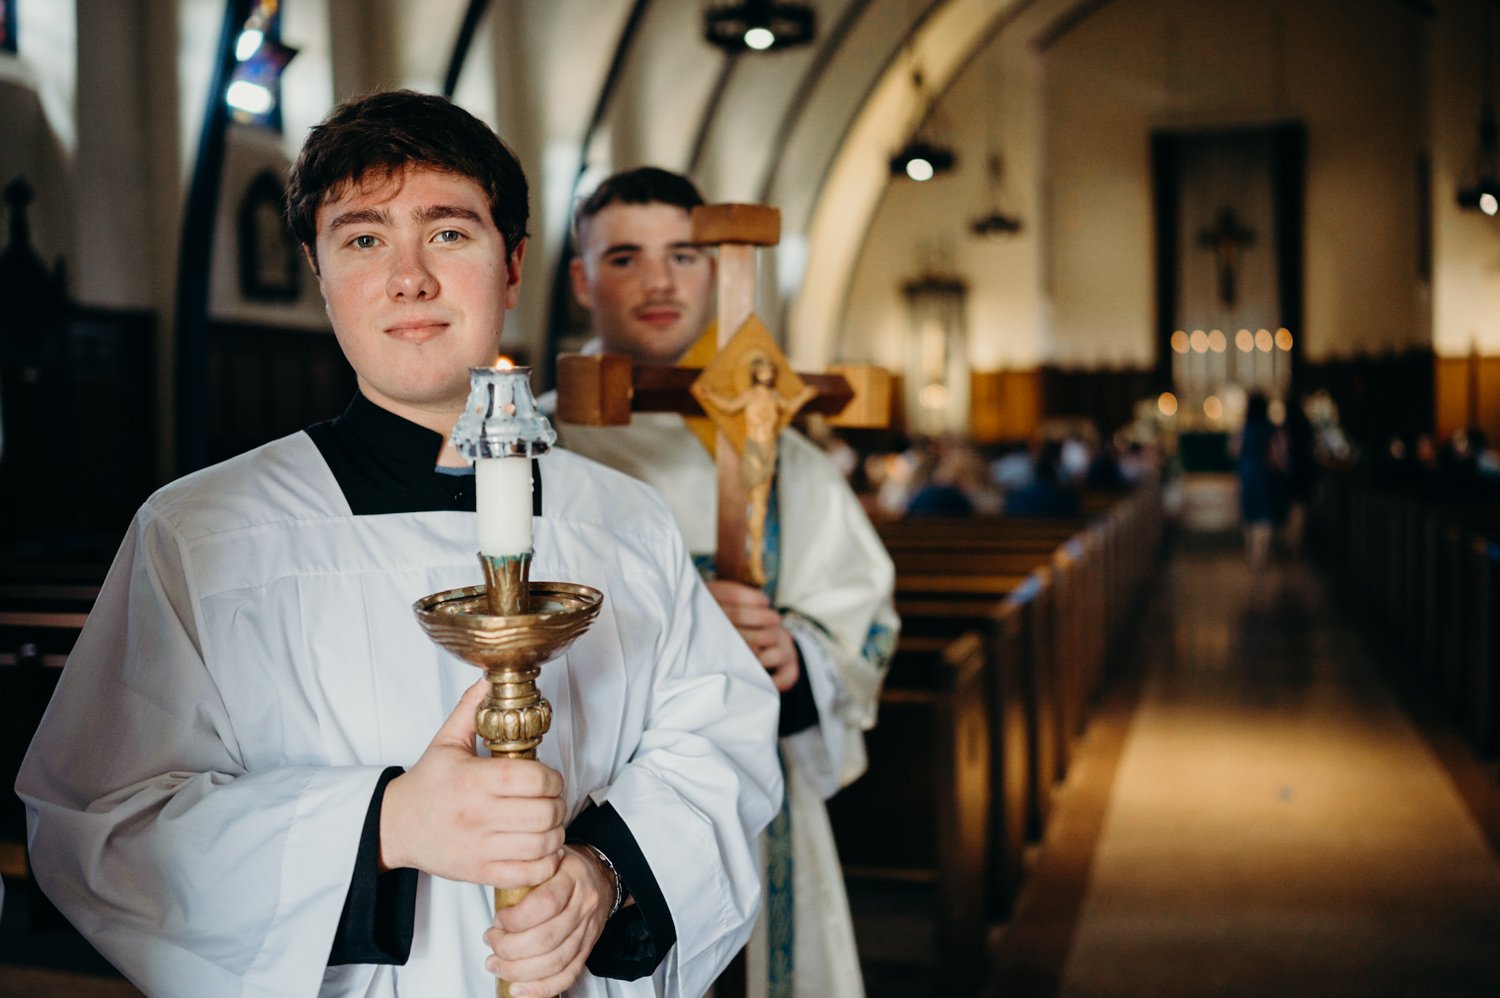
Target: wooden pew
1042,598
1483,715
38,624
1050,675
921,814
1472,547
1077,622
1426,566
1003,609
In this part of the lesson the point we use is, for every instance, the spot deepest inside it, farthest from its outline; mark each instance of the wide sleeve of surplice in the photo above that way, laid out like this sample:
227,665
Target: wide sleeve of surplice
703,781
190,874
836,596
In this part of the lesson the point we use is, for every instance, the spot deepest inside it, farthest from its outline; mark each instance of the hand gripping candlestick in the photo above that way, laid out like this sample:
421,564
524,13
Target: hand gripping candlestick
510,625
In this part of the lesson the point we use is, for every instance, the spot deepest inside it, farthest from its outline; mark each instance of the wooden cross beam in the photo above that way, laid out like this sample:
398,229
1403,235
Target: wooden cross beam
738,378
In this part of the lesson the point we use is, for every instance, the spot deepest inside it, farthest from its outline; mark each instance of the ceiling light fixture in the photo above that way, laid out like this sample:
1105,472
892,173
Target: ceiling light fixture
923,157
1479,188
758,25
995,221
921,161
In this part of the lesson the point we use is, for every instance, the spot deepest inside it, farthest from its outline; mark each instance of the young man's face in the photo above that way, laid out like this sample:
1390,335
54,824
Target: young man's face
417,282
649,288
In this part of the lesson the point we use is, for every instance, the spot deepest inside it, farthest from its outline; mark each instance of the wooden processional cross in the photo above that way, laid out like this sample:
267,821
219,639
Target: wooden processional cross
736,388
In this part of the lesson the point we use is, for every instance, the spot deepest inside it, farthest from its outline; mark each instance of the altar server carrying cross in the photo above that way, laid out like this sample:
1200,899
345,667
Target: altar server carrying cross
735,376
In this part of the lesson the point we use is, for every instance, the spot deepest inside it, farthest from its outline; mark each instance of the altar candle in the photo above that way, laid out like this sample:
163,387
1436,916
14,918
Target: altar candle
503,501
501,431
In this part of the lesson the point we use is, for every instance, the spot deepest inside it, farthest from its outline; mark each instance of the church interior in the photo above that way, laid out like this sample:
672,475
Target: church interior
1120,751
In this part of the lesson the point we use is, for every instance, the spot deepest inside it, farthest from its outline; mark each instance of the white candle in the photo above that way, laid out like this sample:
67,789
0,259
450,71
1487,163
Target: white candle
503,501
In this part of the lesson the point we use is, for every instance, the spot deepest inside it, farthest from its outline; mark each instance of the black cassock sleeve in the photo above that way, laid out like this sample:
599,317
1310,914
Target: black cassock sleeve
379,916
380,911
799,709
637,939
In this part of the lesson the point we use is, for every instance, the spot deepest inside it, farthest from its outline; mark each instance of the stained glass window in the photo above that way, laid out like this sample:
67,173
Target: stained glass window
7,26
254,94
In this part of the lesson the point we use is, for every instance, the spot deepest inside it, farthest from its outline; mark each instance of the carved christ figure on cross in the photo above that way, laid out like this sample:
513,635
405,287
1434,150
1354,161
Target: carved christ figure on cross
764,412
1227,238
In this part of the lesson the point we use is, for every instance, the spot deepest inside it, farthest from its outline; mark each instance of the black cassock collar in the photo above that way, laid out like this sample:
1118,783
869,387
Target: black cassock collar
387,464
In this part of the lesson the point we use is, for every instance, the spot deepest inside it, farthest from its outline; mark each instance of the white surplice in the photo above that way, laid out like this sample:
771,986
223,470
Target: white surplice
199,783
834,586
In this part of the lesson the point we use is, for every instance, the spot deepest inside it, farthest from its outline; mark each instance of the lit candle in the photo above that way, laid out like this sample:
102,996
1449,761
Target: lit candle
501,431
503,501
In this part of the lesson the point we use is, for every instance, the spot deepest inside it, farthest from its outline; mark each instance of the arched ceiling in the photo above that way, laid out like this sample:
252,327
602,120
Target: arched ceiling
626,82
583,87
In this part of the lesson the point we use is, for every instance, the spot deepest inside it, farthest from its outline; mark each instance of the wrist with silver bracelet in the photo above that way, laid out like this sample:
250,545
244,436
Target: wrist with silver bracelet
619,900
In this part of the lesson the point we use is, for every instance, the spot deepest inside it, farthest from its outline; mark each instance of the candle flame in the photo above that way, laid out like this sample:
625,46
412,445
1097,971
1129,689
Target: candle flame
503,364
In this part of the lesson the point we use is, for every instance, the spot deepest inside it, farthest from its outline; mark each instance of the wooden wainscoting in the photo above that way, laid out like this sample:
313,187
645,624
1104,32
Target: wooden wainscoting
268,382
1011,405
1468,393
1378,396
1004,405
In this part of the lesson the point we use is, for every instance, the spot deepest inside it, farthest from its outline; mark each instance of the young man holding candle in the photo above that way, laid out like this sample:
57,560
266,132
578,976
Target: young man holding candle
216,796
824,626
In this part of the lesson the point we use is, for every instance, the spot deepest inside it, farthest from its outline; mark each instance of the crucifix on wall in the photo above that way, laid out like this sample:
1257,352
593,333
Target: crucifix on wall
1227,238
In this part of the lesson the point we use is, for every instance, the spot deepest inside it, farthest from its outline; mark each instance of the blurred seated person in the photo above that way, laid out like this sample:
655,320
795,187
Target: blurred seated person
1074,455
1104,470
1010,468
953,481
1398,465
1486,458
1045,495
1136,463
898,477
939,499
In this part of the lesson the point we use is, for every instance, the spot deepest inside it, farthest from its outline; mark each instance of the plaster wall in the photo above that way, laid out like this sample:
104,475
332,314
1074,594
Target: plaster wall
1183,64
113,197
924,227
1078,110
551,60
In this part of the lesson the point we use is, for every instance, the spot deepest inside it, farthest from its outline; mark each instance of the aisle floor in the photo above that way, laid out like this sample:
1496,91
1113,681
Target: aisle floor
1256,814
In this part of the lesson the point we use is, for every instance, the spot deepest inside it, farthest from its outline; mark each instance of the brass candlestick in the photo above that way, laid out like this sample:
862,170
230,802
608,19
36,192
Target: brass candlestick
510,625
510,648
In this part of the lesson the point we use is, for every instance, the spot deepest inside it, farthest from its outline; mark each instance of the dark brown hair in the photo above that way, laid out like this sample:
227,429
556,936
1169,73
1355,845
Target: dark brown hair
377,137
642,185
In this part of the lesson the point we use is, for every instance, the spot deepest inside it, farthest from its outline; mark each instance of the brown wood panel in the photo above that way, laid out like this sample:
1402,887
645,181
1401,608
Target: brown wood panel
1004,405
1104,397
927,560
1378,396
1467,391
922,813
267,382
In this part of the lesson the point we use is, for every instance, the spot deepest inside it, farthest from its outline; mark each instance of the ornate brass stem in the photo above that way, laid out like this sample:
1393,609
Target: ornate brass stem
506,581
513,718
509,627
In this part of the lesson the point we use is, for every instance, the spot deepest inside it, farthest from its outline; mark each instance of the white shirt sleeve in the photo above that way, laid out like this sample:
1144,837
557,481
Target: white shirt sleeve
703,782
190,874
